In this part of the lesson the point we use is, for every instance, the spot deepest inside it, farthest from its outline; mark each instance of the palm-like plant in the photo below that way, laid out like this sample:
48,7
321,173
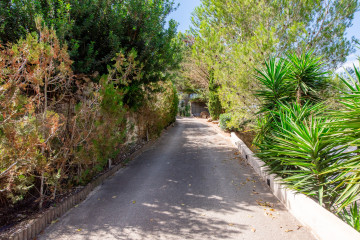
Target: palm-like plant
298,142
352,217
295,78
348,119
307,76
275,85
301,151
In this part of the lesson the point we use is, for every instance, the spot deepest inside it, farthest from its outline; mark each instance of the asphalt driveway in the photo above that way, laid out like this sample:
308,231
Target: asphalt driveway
190,185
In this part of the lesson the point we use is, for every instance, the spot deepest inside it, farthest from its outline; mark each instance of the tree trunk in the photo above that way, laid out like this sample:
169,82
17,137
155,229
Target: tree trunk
298,96
41,191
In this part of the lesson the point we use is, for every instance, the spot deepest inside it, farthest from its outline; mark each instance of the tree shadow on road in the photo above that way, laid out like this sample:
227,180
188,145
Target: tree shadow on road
204,184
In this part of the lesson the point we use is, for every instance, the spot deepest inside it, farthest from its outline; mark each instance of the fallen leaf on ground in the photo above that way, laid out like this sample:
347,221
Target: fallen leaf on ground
79,229
269,214
264,203
231,224
288,230
253,229
113,196
134,202
52,222
76,205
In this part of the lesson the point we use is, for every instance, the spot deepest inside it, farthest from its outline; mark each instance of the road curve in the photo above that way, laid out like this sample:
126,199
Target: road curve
189,185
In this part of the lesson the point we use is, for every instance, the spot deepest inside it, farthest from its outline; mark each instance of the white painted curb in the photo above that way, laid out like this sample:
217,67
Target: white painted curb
324,224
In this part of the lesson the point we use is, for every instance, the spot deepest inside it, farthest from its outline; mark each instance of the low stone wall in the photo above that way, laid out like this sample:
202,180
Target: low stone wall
323,223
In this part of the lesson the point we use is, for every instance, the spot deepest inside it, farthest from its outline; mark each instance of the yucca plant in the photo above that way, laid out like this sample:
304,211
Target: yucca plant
275,87
351,216
297,78
307,76
300,150
274,82
348,119
298,142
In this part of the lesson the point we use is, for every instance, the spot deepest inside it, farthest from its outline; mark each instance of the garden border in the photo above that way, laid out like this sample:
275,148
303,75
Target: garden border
323,224
35,226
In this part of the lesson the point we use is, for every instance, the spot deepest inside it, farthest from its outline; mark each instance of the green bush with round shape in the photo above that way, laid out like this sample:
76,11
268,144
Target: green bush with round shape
224,119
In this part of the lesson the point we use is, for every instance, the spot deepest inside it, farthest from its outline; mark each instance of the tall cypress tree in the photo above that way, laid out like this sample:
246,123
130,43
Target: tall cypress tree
215,108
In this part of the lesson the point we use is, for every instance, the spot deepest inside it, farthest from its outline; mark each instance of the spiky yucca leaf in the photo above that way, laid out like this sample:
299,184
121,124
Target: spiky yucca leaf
275,87
307,75
301,151
348,119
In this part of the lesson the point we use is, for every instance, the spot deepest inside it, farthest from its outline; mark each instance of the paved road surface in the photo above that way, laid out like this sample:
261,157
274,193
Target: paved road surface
189,185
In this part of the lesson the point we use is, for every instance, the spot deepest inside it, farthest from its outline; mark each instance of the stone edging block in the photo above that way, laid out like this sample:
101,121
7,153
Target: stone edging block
323,224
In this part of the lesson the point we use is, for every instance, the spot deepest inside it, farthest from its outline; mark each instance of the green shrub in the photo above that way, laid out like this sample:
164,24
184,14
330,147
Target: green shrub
351,216
298,141
300,148
59,136
224,119
187,111
95,31
214,105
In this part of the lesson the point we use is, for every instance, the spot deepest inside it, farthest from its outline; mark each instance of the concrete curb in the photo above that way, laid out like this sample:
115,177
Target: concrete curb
36,226
323,223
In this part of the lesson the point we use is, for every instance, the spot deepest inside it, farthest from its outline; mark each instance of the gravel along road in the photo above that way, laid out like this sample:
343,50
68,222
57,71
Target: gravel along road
191,184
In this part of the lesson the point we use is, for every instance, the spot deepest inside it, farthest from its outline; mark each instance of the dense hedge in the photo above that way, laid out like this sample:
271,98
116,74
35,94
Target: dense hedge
95,31
78,81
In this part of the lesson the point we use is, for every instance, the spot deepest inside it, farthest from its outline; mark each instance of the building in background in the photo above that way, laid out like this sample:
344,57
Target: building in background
191,105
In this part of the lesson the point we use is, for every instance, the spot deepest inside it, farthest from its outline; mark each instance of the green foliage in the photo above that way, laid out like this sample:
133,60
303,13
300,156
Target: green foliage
174,105
299,142
234,37
58,129
193,76
158,111
215,108
307,76
351,216
275,85
349,117
187,111
224,119
184,110
19,17
301,149
95,31
214,105
297,77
